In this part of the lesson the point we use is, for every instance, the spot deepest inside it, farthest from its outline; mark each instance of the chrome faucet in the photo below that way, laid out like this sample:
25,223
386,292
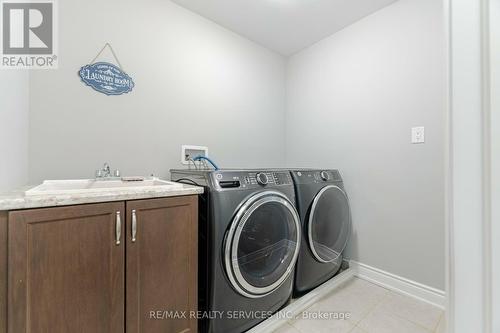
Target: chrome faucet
105,172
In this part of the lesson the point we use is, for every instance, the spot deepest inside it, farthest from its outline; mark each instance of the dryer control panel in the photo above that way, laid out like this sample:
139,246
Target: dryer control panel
251,179
316,176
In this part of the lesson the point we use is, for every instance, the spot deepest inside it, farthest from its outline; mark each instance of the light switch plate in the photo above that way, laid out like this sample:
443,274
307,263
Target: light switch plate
418,134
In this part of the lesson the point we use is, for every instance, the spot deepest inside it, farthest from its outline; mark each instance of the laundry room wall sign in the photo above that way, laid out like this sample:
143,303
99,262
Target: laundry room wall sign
105,77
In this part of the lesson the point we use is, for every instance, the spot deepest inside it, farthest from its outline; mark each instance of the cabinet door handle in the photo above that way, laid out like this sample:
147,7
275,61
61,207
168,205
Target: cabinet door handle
134,226
118,228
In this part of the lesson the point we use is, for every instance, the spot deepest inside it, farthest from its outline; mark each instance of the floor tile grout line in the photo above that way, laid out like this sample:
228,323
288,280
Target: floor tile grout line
395,315
359,327
391,314
372,308
439,322
414,322
298,329
370,311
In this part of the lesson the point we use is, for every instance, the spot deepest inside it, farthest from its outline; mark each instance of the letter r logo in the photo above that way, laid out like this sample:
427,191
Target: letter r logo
27,27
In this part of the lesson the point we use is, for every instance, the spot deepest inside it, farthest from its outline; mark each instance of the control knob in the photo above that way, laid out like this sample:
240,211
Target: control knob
324,175
262,178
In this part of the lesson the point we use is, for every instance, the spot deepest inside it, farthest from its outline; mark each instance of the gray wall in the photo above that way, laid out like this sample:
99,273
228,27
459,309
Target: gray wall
352,100
196,83
14,123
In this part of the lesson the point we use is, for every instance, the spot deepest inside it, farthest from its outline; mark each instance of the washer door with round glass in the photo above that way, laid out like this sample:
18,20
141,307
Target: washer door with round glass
262,244
329,224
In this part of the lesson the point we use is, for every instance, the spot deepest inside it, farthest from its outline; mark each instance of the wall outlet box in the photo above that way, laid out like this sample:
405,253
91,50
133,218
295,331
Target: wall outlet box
418,134
189,151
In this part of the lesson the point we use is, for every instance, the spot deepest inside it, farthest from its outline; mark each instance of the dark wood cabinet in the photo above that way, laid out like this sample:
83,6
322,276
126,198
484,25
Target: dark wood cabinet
3,272
162,265
77,269
65,269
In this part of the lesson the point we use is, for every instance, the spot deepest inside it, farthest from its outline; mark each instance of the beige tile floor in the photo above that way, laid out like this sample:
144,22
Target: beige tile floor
372,309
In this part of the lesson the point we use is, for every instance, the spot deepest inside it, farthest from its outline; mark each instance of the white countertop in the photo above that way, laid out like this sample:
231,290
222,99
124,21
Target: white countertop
18,200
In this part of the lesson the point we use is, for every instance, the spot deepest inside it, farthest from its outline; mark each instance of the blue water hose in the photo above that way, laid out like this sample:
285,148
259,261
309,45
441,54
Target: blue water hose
198,158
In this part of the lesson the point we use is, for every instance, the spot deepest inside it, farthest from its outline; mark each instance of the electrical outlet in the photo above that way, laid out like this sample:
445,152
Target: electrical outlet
189,151
418,134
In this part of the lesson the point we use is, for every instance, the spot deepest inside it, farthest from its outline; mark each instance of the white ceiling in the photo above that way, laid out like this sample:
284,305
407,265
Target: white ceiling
285,26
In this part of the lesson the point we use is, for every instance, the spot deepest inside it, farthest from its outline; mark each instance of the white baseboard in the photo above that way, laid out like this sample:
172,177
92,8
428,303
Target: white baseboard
399,284
299,305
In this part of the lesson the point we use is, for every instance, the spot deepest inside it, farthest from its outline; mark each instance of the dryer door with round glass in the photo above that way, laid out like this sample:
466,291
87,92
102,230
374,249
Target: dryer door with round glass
262,244
329,224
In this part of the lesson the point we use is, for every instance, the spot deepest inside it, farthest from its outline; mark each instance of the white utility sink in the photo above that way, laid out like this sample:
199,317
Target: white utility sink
81,186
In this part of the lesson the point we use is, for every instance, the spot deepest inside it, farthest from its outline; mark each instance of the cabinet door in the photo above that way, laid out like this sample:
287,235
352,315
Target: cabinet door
162,265
66,269
3,272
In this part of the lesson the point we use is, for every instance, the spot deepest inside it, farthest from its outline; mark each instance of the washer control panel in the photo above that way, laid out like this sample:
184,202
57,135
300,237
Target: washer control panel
252,179
268,178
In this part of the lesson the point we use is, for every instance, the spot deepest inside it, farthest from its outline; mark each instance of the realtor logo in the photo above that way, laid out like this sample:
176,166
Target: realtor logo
28,34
